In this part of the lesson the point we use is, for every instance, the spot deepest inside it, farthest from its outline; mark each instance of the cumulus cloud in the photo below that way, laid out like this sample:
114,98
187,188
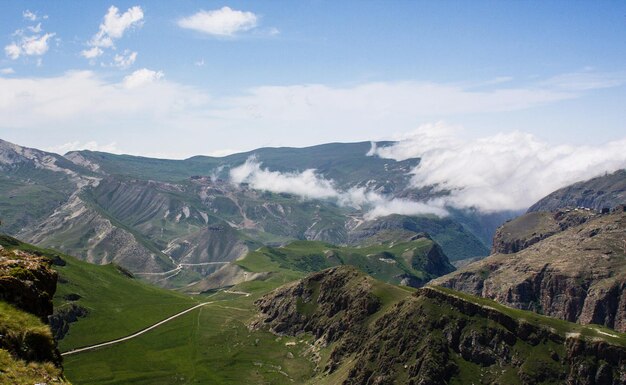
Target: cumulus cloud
309,185
35,45
220,22
124,60
7,71
113,27
28,15
142,77
502,172
91,53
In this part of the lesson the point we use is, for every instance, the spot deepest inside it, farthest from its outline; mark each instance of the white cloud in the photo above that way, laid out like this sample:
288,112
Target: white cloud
125,60
262,116
7,71
28,15
142,77
13,51
115,24
35,45
91,145
306,184
199,63
112,28
66,102
35,29
220,22
309,185
501,172
91,53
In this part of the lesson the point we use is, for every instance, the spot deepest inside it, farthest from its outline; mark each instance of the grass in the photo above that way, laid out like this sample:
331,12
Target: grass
388,262
118,305
209,345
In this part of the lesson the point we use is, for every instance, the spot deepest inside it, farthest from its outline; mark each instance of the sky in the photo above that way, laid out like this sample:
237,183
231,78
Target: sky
175,79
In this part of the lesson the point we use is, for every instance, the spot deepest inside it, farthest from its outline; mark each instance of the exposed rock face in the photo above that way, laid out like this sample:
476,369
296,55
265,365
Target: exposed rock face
431,337
62,318
28,352
331,304
577,275
528,229
27,282
597,193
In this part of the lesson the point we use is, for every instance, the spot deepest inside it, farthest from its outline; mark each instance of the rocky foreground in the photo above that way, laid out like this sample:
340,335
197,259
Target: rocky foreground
28,352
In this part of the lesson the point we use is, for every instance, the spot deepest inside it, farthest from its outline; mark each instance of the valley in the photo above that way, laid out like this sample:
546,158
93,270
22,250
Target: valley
184,278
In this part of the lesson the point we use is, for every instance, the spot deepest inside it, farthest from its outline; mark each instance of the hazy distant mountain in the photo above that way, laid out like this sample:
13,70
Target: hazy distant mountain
175,221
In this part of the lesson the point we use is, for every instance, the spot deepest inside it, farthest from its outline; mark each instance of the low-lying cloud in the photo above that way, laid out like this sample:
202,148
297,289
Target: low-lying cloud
310,185
502,172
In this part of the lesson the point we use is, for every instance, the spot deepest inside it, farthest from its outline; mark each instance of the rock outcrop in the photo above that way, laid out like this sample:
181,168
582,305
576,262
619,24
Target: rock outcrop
435,336
577,275
530,228
27,282
28,351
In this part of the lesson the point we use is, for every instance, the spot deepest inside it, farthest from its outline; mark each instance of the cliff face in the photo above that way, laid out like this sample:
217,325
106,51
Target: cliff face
434,336
528,229
331,305
28,352
27,282
577,275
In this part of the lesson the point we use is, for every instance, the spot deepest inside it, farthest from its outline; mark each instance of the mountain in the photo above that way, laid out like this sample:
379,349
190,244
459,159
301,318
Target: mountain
28,351
410,263
578,274
568,263
606,191
368,332
177,221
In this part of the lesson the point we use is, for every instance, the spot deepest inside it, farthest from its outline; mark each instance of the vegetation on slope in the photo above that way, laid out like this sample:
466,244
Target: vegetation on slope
116,304
411,263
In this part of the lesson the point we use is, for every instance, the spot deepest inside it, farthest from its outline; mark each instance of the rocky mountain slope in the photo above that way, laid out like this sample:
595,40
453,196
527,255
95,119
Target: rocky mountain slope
434,336
530,228
28,352
606,191
175,222
578,274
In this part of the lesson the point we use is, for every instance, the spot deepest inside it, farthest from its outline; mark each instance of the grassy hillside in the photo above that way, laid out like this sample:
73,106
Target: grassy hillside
117,304
412,263
213,344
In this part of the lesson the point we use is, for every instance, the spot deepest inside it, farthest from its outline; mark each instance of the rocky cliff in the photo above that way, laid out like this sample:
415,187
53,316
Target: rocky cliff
577,275
528,229
28,352
435,336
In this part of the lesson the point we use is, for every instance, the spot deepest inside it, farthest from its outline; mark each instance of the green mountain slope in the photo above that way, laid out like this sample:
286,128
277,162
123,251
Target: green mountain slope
341,326
115,303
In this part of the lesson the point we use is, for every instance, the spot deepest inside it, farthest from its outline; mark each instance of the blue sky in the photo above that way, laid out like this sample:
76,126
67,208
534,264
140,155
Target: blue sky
298,73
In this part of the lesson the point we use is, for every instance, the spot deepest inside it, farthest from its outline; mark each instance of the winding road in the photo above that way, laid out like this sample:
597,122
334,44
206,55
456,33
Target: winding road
117,341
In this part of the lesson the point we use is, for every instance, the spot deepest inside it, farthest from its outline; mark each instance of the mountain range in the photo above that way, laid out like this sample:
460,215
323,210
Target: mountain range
155,216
